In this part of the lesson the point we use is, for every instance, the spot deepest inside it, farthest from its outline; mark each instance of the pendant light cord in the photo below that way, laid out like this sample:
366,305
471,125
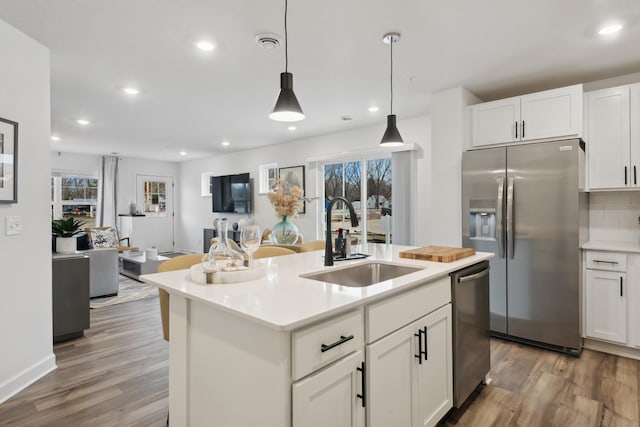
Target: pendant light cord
286,54
391,44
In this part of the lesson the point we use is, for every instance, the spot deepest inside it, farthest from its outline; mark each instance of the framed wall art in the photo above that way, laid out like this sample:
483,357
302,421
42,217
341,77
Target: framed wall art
294,176
8,161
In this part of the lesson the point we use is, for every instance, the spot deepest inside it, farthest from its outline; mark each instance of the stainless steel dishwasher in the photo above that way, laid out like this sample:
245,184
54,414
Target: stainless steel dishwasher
471,345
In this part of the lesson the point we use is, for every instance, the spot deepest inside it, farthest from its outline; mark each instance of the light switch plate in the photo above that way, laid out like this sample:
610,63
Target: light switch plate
14,225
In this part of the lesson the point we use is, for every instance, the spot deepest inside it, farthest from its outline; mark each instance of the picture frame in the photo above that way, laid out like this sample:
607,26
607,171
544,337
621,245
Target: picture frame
294,175
8,161
267,173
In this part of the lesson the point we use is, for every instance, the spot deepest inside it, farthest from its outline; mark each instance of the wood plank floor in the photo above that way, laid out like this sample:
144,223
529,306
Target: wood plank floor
117,375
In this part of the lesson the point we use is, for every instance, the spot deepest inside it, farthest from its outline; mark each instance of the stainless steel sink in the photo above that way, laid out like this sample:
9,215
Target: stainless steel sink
362,275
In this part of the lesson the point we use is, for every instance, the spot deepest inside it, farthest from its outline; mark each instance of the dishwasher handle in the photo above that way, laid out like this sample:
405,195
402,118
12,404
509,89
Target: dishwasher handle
471,277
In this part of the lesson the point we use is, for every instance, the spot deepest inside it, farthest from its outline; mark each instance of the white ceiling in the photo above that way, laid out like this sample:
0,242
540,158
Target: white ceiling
192,101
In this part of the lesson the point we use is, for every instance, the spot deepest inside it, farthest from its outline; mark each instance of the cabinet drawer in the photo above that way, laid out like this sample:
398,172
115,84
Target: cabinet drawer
321,344
609,261
391,314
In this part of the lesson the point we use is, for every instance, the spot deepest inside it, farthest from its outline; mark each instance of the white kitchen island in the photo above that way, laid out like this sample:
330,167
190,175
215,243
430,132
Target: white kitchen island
290,351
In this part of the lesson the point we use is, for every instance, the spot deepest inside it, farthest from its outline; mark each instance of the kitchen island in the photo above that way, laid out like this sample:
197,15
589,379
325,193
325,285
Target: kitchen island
286,350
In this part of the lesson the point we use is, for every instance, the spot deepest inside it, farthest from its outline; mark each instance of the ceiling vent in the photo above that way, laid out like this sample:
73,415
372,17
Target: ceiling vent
268,41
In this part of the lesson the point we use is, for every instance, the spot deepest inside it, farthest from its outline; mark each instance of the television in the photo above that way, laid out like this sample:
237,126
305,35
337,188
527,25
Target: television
231,193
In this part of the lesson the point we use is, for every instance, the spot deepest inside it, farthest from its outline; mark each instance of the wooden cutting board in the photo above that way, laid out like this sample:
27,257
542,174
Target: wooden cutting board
438,253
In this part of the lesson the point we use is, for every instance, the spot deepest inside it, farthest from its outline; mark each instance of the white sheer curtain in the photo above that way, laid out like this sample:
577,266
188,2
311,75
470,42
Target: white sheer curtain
108,192
403,192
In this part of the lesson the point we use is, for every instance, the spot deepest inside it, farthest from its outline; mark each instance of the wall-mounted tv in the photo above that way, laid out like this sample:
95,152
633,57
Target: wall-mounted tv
231,193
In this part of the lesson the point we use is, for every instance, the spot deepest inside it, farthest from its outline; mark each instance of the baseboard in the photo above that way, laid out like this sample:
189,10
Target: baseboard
618,350
27,377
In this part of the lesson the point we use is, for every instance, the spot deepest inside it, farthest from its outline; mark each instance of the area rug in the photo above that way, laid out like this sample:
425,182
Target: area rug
129,290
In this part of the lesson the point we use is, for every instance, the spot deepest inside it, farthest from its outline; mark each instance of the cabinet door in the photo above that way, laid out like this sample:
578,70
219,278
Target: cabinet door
404,387
552,113
633,295
495,122
634,119
608,138
606,311
329,397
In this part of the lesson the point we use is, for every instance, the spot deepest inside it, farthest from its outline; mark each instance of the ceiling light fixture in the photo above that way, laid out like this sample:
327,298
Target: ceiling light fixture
55,138
205,45
391,137
373,109
130,90
183,153
83,122
287,108
292,128
610,29
225,143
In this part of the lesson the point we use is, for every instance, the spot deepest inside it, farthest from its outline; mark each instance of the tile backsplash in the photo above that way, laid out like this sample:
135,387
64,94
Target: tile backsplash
614,216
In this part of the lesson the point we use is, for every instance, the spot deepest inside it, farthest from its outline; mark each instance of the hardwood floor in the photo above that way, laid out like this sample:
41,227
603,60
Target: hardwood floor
117,375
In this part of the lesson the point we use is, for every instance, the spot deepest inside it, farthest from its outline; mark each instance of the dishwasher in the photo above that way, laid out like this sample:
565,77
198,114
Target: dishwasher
471,344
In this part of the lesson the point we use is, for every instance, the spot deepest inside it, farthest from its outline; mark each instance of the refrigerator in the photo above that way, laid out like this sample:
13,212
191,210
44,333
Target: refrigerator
525,203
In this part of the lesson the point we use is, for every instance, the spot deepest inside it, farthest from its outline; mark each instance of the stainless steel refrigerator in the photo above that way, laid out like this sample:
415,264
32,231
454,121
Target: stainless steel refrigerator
524,204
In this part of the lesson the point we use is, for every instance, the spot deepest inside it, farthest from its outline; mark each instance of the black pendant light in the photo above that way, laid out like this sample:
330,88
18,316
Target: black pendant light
391,137
287,108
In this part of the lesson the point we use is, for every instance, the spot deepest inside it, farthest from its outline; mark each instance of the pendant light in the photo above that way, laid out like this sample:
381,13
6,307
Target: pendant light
287,108
391,137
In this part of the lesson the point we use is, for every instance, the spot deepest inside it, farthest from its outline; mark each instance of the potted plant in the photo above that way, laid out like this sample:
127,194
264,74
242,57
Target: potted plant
65,230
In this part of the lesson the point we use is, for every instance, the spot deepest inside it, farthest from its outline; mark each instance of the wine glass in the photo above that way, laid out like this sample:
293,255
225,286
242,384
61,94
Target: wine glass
250,239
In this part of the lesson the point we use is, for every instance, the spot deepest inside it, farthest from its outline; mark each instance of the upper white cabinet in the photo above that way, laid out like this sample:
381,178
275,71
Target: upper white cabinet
613,163
555,113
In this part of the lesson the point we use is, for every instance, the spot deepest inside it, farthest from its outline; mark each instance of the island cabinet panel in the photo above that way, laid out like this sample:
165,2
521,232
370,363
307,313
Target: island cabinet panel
332,397
409,375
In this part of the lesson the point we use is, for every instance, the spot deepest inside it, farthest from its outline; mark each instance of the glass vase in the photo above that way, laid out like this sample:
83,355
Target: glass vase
285,232
221,255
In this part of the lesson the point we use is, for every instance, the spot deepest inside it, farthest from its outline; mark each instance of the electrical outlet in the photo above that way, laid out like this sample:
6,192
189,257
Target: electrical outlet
14,225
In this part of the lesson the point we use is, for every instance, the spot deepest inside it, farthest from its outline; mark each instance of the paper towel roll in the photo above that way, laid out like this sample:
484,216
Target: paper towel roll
151,254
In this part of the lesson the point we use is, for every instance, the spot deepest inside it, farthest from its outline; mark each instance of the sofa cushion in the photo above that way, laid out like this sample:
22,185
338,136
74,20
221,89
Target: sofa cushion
104,238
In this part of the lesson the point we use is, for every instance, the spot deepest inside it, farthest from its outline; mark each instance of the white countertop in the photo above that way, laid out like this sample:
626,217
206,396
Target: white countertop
610,245
284,301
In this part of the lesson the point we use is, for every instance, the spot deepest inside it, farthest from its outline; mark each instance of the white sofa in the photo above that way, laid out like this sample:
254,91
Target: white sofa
103,272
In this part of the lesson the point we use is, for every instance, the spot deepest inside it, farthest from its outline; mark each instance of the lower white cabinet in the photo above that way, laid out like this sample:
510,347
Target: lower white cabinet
633,299
409,373
331,397
606,309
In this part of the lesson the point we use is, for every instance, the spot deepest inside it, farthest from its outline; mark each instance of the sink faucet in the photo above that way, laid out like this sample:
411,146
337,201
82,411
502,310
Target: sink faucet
328,250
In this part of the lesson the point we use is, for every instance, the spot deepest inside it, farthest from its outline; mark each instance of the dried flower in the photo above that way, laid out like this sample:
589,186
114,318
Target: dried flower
287,199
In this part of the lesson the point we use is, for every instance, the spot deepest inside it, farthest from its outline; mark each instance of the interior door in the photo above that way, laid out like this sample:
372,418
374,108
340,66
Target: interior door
483,189
154,197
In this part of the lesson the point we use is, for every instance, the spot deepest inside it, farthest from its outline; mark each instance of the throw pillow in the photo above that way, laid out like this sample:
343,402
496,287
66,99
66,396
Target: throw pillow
104,238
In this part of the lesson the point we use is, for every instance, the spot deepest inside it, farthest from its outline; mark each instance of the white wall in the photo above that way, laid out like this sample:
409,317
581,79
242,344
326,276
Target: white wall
448,141
25,261
195,210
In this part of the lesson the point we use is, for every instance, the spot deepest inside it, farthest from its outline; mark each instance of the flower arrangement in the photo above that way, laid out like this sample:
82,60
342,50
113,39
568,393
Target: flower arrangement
287,199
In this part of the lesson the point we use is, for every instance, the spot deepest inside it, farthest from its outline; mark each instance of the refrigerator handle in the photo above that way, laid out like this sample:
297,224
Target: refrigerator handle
499,219
510,228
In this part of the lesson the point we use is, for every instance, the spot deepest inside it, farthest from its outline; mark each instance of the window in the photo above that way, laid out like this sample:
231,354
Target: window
367,185
155,198
74,196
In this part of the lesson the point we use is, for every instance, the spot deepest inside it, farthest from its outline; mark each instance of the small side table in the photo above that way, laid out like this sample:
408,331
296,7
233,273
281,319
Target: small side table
135,266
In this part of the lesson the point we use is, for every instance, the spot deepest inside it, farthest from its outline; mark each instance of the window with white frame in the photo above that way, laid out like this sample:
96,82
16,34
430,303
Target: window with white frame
74,196
367,185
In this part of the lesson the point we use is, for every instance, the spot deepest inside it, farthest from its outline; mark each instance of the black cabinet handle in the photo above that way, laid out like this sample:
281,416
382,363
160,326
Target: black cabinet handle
363,372
620,285
523,129
635,176
342,340
516,130
426,343
419,355
625,175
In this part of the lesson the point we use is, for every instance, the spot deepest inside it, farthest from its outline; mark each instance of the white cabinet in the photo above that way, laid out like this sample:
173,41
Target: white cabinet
409,374
555,113
633,299
634,134
606,306
331,397
609,143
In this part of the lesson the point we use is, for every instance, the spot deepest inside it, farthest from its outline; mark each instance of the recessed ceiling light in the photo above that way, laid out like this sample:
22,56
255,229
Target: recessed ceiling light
373,109
205,45
55,138
130,90
292,128
183,153
225,143
83,122
607,30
